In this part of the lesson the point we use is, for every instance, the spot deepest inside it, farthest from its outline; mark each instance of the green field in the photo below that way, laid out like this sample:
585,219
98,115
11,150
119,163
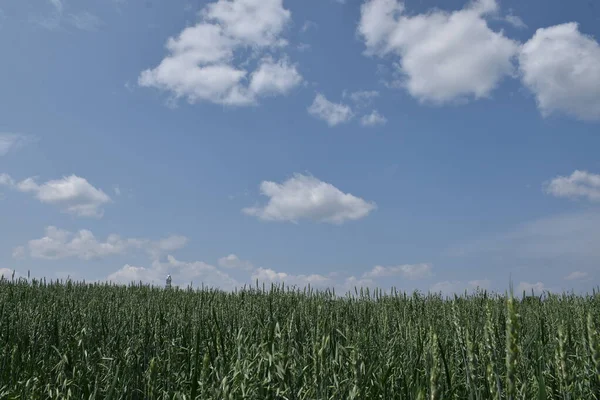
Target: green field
95,341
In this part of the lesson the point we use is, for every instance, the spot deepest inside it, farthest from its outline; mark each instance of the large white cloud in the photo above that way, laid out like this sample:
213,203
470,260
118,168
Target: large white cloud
306,197
330,112
561,66
60,244
444,56
73,194
208,61
580,184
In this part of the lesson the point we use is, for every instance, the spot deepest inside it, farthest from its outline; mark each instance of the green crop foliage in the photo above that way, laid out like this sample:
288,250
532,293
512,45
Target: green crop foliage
66,340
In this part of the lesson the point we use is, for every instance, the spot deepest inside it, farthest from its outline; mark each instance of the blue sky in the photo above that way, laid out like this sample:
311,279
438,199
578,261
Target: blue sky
417,144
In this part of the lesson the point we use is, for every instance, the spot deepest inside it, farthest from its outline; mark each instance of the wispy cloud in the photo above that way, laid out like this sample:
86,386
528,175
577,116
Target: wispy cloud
85,21
57,18
13,141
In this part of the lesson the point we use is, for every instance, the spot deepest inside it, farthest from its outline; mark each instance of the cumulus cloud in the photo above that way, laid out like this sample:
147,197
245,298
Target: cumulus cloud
60,244
306,197
208,61
580,184
341,283
231,272
332,113
561,66
73,194
470,61
182,273
274,77
373,119
407,271
13,141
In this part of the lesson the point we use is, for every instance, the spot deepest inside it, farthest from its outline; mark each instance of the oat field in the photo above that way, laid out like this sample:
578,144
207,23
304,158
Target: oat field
67,340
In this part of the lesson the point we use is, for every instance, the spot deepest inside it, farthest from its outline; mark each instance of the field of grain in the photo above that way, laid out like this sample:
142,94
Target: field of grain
96,341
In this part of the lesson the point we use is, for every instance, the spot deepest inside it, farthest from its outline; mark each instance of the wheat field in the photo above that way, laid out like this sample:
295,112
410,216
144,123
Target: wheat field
67,340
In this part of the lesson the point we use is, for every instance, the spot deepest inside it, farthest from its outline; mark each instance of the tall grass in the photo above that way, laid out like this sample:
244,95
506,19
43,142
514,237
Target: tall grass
97,341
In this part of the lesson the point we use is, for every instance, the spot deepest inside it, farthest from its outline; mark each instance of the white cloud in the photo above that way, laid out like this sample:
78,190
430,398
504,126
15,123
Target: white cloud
268,276
182,273
332,113
166,245
57,19
308,25
303,47
515,21
60,244
233,262
7,274
73,194
6,180
537,287
363,97
469,62
273,78
306,197
57,4
85,21
206,62
458,287
13,141
408,271
580,184
130,273
373,119
561,66
576,276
